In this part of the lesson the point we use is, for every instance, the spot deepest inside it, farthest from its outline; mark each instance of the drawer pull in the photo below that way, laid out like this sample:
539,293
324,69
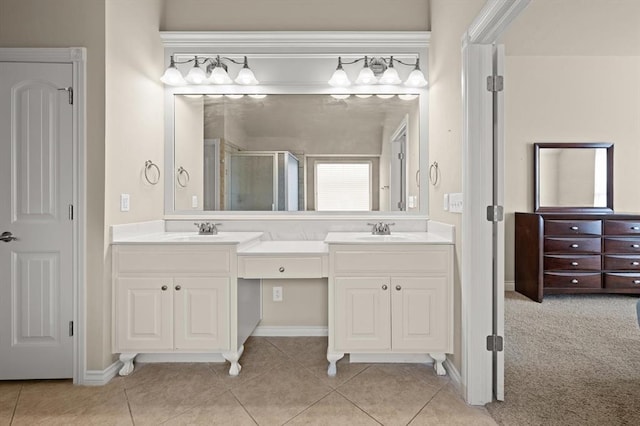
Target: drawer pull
281,269
635,245
574,263
384,286
574,228
164,288
635,228
636,281
574,281
574,246
635,263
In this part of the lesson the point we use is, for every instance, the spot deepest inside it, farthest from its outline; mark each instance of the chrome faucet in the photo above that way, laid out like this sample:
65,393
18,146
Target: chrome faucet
207,228
380,228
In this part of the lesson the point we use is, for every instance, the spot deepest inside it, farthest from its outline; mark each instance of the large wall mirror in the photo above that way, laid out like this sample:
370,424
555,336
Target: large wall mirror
573,177
296,152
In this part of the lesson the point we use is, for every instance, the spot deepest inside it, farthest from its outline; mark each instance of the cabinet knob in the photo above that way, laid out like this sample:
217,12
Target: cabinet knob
574,228
574,246
398,287
384,286
178,287
164,288
281,269
635,263
574,263
574,281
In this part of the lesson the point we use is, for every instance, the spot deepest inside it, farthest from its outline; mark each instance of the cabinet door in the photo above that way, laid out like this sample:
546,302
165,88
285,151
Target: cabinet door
362,314
144,319
201,308
420,318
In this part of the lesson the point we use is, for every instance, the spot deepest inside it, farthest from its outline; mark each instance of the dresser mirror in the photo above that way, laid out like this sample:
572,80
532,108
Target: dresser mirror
296,153
573,177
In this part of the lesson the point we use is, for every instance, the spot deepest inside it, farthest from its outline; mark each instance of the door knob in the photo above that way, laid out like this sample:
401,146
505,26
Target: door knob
7,237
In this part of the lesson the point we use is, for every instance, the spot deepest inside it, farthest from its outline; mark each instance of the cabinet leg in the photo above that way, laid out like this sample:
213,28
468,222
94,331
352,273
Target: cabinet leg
333,357
438,359
233,358
127,360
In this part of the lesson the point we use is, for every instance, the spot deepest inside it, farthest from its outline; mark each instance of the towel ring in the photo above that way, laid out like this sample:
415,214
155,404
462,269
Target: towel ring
434,173
150,165
182,171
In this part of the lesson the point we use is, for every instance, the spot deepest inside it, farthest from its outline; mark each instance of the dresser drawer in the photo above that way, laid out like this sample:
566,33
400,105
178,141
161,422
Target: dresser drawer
622,227
629,262
571,262
280,267
622,280
622,245
572,245
572,227
573,280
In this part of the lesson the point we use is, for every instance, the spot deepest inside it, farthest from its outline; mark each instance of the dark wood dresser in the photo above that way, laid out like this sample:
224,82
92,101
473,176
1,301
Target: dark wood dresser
558,253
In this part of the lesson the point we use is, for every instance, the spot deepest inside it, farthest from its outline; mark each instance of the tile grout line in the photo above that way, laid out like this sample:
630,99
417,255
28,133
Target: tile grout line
306,409
15,407
354,404
424,406
243,407
126,396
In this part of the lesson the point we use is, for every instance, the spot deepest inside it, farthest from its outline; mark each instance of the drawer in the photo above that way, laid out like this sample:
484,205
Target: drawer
622,280
572,227
622,245
372,261
592,262
173,259
629,262
573,280
572,245
622,227
280,267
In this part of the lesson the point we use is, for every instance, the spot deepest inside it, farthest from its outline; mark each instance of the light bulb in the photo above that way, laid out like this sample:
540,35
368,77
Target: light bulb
219,76
172,75
339,77
196,75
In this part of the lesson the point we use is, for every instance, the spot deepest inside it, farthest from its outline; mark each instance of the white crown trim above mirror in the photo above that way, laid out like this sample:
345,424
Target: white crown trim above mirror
299,63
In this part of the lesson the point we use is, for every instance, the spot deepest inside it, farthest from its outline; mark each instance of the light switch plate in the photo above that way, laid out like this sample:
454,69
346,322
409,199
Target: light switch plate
455,202
194,201
124,202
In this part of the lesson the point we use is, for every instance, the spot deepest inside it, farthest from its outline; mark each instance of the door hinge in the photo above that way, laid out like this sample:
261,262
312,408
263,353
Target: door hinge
495,343
401,205
495,83
70,211
495,213
401,156
70,91
70,328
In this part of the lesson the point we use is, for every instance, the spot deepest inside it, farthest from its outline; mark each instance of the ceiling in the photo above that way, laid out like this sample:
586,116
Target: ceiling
576,28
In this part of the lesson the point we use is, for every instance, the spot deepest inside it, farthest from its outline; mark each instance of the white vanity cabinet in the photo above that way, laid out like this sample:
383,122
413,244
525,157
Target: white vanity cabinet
390,299
172,298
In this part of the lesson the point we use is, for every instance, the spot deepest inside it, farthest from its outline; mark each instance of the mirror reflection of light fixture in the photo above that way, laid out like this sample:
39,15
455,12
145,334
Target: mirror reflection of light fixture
374,67
213,71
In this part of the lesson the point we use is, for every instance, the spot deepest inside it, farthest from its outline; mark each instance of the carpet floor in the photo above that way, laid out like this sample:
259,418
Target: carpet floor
570,360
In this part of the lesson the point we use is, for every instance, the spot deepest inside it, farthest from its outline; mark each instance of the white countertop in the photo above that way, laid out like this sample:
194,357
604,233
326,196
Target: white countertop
301,247
189,238
394,238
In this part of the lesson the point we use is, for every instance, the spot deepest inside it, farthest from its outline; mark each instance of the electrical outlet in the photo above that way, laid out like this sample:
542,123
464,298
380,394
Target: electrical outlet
194,201
124,202
455,202
277,294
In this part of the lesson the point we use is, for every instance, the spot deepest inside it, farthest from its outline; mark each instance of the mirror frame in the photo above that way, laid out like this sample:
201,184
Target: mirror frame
279,49
571,209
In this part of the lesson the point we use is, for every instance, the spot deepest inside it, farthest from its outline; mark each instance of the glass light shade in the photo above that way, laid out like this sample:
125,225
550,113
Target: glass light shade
340,95
220,76
196,75
246,77
339,79
366,76
258,96
385,96
390,76
173,77
416,79
364,96
408,97
234,96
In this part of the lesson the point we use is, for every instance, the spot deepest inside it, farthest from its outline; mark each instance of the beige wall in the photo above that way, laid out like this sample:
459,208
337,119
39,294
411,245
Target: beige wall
296,15
75,23
449,20
569,99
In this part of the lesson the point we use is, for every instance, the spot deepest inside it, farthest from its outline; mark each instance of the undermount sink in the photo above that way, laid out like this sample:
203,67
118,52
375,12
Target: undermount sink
380,238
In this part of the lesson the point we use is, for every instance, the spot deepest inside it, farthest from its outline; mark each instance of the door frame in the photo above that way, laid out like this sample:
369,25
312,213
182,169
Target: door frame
77,57
477,260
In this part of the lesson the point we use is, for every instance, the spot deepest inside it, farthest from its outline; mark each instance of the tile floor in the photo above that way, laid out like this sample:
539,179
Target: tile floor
283,381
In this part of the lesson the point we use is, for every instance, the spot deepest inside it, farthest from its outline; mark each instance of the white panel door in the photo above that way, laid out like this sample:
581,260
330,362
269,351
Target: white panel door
36,158
144,314
201,308
363,314
420,314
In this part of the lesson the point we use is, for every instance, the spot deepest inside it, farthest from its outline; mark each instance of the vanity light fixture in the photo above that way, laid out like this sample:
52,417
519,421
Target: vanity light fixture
378,66
213,71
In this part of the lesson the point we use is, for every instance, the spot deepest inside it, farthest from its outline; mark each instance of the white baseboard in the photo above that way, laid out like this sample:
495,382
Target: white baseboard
101,377
289,331
509,286
391,358
179,357
454,375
